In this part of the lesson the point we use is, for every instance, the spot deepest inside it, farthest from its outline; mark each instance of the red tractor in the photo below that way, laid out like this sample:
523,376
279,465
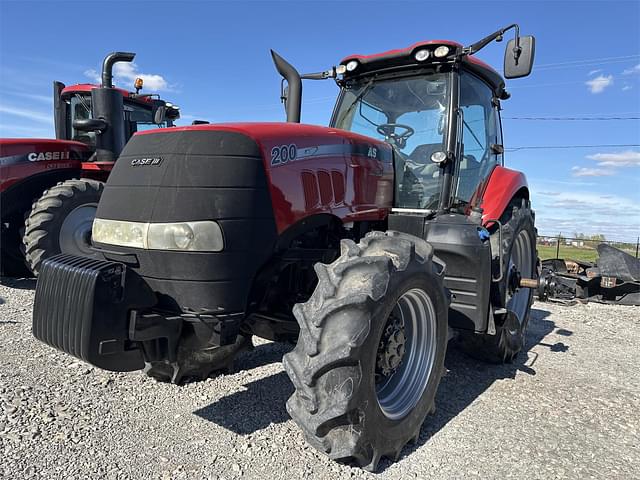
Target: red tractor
65,177
368,243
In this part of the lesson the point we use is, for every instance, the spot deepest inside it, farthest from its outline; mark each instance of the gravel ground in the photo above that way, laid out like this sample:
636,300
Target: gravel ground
568,408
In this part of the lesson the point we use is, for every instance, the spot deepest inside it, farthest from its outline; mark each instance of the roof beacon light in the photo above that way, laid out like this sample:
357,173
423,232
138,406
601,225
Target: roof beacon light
352,65
138,84
421,55
441,51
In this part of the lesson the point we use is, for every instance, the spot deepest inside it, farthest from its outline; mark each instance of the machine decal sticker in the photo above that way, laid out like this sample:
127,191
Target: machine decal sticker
141,162
43,156
282,154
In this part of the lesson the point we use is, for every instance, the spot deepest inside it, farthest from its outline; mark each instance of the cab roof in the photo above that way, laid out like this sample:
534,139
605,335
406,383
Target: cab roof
404,57
87,87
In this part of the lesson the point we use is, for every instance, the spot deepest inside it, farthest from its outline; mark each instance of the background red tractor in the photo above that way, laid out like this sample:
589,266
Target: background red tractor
56,184
369,244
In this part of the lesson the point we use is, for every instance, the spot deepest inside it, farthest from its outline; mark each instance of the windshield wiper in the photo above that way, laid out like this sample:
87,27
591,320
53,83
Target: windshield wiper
365,89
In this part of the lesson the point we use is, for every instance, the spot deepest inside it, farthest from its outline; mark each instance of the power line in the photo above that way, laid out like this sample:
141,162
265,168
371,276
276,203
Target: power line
587,62
544,147
572,118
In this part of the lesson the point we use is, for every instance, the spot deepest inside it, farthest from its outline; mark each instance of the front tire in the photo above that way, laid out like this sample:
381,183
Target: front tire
197,360
60,221
371,349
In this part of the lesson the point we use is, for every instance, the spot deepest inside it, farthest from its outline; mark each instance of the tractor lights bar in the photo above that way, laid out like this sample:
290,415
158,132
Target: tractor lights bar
420,53
425,53
201,236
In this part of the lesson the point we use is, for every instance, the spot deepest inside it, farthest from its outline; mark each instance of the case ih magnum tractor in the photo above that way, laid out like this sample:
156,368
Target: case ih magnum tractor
365,243
93,123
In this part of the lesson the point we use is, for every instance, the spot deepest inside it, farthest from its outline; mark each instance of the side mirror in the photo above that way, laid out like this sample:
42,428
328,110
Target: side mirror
518,61
90,125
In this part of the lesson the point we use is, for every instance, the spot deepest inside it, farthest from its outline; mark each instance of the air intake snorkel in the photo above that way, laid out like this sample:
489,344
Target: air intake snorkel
107,120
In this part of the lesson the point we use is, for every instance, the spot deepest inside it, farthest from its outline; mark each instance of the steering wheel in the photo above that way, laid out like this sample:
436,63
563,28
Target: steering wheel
389,131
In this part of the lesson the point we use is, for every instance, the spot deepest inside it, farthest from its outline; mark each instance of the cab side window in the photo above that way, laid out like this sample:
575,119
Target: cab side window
480,129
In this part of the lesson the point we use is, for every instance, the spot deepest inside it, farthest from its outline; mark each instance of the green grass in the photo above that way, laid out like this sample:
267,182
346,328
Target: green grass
568,252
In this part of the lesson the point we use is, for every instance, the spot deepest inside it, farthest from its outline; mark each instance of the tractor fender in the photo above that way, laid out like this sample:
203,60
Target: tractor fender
503,185
23,158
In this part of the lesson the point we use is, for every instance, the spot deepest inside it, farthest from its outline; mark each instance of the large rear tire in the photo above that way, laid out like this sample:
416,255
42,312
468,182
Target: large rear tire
519,254
61,220
371,349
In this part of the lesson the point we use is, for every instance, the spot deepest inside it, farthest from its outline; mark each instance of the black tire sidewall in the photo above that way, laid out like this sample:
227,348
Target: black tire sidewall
50,242
524,221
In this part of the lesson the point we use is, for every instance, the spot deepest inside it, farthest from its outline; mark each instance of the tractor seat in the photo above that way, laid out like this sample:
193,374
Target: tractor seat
422,153
420,160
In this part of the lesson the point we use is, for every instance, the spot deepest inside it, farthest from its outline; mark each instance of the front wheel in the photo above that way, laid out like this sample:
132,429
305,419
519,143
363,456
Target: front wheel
371,349
61,221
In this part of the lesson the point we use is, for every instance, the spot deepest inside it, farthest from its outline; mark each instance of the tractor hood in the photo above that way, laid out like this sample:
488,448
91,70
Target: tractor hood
307,168
256,181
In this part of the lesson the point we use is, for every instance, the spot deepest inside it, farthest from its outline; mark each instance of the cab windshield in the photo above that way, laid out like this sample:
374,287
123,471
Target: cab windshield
409,113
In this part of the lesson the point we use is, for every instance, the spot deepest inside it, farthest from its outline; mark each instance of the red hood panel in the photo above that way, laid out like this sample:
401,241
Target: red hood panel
315,170
21,158
19,146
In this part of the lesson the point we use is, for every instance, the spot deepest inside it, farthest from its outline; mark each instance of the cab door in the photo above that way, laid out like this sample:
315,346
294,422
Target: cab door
481,141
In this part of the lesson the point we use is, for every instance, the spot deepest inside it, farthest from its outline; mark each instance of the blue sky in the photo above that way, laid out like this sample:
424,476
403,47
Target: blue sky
213,60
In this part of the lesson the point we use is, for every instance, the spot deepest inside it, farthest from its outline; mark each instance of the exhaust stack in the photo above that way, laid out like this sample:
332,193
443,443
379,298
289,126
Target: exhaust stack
109,61
294,95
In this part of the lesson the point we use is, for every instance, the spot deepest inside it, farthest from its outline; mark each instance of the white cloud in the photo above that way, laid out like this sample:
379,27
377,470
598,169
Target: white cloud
28,114
125,73
632,70
93,75
593,72
628,158
598,84
626,87
591,172
128,72
567,211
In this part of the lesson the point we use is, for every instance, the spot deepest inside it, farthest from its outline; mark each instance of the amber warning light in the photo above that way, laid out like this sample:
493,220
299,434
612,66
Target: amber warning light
138,84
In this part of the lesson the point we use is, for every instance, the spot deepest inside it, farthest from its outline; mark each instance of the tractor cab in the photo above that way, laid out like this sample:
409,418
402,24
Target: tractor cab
138,112
81,114
437,106
411,112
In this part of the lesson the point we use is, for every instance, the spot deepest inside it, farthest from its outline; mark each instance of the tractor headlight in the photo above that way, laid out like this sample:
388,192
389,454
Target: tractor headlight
203,236
114,232
441,51
421,55
352,65
191,236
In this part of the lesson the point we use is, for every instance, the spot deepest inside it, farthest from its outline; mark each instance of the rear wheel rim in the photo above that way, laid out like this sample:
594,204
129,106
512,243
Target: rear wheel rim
400,391
522,261
75,232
